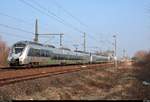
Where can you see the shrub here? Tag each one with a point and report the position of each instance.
(139, 57)
(143, 61)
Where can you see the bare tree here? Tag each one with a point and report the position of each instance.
(140, 56)
(143, 62)
(3, 52)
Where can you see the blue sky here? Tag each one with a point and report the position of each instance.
(129, 19)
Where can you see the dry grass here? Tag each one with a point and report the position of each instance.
(96, 84)
(100, 83)
(142, 74)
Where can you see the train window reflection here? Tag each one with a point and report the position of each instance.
(18, 50)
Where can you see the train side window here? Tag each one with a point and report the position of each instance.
(50, 53)
(44, 54)
(38, 52)
(30, 52)
(41, 53)
(47, 53)
(34, 52)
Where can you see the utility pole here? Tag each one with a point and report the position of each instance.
(115, 45)
(36, 38)
(115, 50)
(76, 49)
(124, 53)
(61, 35)
(84, 44)
(125, 57)
(36, 32)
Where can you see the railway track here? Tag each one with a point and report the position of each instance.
(39, 66)
(12, 76)
(2, 69)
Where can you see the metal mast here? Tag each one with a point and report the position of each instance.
(115, 50)
(36, 38)
(84, 44)
(36, 31)
(61, 36)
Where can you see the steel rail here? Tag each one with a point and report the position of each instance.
(9, 80)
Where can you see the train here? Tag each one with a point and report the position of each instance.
(31, 53)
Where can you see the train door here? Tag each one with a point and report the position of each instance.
(91, 58)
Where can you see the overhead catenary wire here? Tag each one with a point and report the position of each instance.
(14, 28)
(50, 15)
(15, 18)
(19, 20)
(47, 14)
(53, 14)
(14, 35)
(67, 12)
(75, 18)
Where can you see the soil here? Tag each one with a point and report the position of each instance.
(94, 84)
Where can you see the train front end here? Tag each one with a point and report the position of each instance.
(16, 57)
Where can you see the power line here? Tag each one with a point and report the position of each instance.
(14, 28)
(49, 15)
(14, 35)
(84, 44)
(60, 20)
(67, 12)
(37, 9)
(40, 6)
(54, 16)
(18, 19)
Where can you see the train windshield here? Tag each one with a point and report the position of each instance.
(18, 48)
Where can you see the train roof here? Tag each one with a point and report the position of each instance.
(81, 52)
(52, 46)
(34, 43)
(63, 48)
